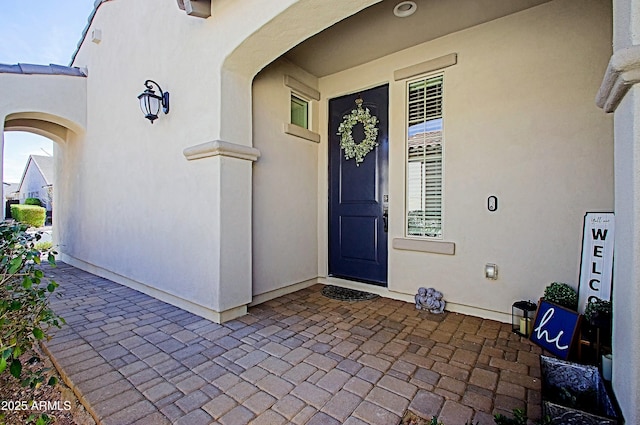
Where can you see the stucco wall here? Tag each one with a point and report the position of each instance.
(177, 229)
(285, 186)
(140, 210)
(21, 97)
(519, 109)
(626, 292)
(520, 124)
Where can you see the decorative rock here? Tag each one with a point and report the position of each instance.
(430, 300)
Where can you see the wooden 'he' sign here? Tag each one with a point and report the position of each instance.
(555, 328)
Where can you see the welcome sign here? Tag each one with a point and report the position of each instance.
(596, 264)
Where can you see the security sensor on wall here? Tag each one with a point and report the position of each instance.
(96, 36)
(492, 203)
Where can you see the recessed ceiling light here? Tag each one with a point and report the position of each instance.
(405, 8)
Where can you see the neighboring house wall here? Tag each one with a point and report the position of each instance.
(34, 185)
(9, 193)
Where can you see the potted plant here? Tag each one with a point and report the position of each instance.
(573, 393)
(598, 313)
(562, 294)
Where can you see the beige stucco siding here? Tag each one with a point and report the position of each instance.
(154, 209)
(626, 294)
(520, 124)
(48, 105)
(175, 228)
(285, 186)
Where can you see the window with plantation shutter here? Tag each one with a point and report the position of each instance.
(424, 157)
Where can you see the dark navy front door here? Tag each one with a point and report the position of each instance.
(358, 194)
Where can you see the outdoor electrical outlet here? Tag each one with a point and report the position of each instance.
(491, 271)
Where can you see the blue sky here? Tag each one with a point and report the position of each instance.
(39, 32)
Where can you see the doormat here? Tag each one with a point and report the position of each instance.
(410, 418)
(344, 294)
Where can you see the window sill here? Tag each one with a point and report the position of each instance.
(303, 133)
(430, 246)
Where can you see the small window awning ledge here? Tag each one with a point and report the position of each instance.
(221, 148)
(197, 8)
(623, 72)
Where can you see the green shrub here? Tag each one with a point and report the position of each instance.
(33, 201)
(25, 315)
(562, 294)
(598, 311)
(29, 214)
(519, 418)
(44, 246)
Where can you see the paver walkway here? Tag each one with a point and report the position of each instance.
(301, 359)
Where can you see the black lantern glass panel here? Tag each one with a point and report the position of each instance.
(522, 313)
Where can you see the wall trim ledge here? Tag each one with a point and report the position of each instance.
(431, 246)
(622, 72)
(221, 148)
(301, 132)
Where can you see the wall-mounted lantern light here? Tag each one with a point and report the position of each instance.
(150, 102)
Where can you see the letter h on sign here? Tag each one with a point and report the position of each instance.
(555, 328)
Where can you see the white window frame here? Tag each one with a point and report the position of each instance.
(308, 94)
(307, 106)
(439, 236)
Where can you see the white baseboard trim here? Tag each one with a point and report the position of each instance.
(410, 298)
(190, 306)
(261, 298)
(234, 313)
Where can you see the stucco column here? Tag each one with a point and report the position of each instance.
(232, 168)
(626, 291)
(621, 92)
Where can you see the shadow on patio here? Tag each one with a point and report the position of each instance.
(301, 358)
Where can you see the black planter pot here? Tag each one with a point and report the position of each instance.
(575, 394)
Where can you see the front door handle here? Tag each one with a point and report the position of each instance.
(385, 219)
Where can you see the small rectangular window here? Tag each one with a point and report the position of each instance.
(299, 112)
(424, 157)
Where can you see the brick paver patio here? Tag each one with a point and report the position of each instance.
(301, 359)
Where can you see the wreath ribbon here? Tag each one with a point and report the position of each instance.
(369, 122)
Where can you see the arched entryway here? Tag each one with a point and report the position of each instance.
(49, 101)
